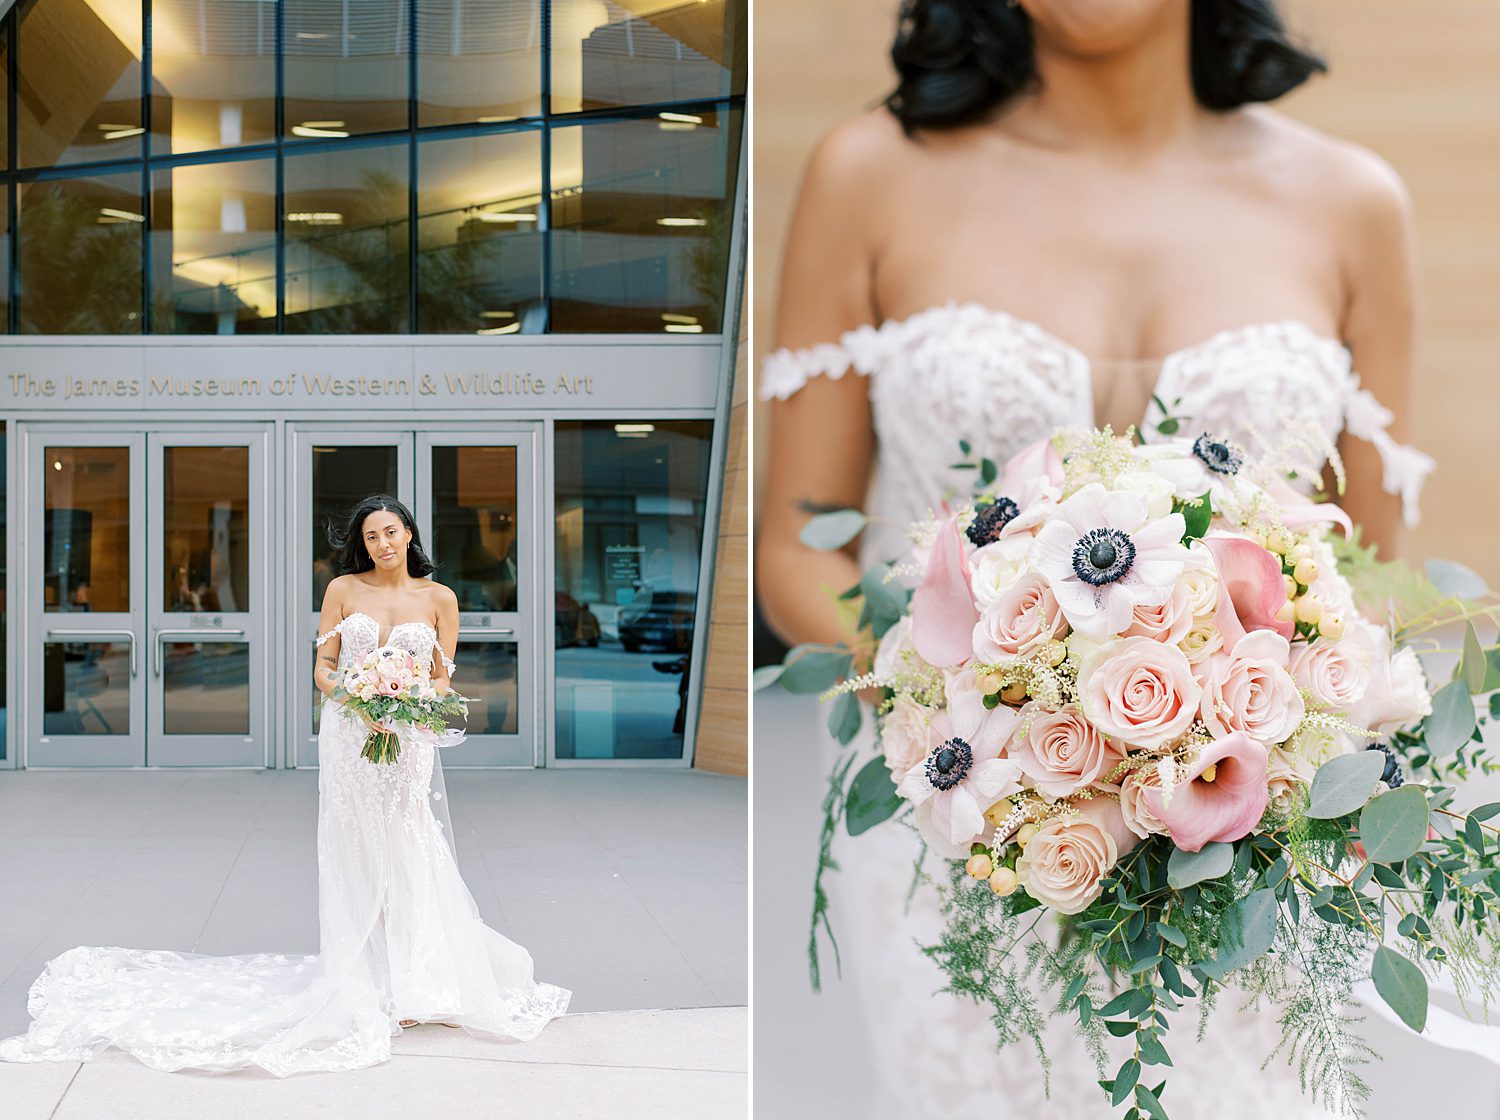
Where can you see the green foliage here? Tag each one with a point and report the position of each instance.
(1344, 783)
(828, 532)
(1394, 825)
(833, 810)
(844, 718)
(1452, 721)
(872, 797)
(1196, 515)
(1402, 985)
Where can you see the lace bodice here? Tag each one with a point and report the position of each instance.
(360, 634)
(965, 371)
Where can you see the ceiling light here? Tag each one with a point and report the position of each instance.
(669, 317)
(681, 120)
(497, 314)
(310, 130)
(683, 328)
(324, 124)
(634, 429)
(108, 215)
(682, 221)
(312, 35)
(122, 133)
(57, 464)
(509, 328)
(501, 216)
(317, 217)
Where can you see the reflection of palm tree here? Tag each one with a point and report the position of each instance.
(78, 276)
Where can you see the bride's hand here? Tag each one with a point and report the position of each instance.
(377, 725)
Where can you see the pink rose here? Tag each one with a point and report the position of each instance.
(1137, 814)
(1164, 622)
(942, 607)
(1251, 589)
(1065, 863)
(1219, 798)
(1336, 673)
(1061, 752)
(905, 735)
(1018, 622)
(1138, 691)
(1250, 690)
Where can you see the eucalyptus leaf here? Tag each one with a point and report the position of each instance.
(766, 676)
(1402, 985)
(1452, 720)
(872, 797)
(1394, 825)
(1343, 784)
(1247, 932)
(1474, 667)
(1125, 1081)
(816, 671)
(844, 718)
(1454, 579)
(1185, 868)
(829, 531)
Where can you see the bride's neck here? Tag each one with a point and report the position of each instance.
(1129, 104)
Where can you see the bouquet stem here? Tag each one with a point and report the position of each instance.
(381, 746)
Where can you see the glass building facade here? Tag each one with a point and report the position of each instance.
(264, 258)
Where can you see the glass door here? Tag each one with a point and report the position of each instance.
(477, 508)
(332, 471)
(85, 673)
(209, 556)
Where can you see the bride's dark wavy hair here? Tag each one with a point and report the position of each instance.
(348, 539)
(957, 59)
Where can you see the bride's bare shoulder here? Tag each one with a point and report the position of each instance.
(1330, 172)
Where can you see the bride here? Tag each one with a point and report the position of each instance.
(1069, 212)
(401, 939)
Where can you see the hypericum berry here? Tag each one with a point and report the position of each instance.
(1103, 556)
(991, 519)
(1217, 455)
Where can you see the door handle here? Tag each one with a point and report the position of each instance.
(201, 633)
(129, 634)
(481, 631)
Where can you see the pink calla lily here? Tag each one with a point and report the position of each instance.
(1039, 459)
(1251, 589)
(943, 613)
(1224, 805)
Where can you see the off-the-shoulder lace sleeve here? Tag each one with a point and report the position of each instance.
(447, 662)
(787, 370)
(1405, 467)
(324, 637)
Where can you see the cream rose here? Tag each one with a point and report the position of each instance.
(905, 736)
(1063, 865)
(1165, 622)
(1250, 690)
(1201, 585)
(1336, 673)
(1287, 775)
(1133, 806)
(995, 568)
(1397, 695)
(1061, 752)
(1017, 623)
(1202, 642)
(1139, 691)
(1153, 487)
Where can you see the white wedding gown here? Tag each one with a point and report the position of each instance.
(970, 372)
(400, 938)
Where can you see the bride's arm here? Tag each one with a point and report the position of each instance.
(1380, 329)
(326, 656)
(447, 632)
(822, 442)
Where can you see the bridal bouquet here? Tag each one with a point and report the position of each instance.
(389, 685)
(1140, 687)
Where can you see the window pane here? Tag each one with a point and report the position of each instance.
(4, 600)
(491, 682)
(639, 52)
(629, 532)
(480, 269)
(85, 688)
(80, 267)
(346, 66)
(641, 219)
(474, 525)
(213, 71)
(206, 529)
(81, 76)
(4, 123)
(346, 251)
(86, 546)
(341, 478)
(478, 60)
(206, 688)
(213, 234)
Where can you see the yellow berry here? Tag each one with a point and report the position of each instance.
(1288, 612)
(998, 811)
(1291, 586)
(1014, 692)
(1004, 882)
(1279, 541)
(1309, 608)
(1027, 831)
(979, 866)
(1331, 626)
(990, 682)
(1054, 652)
(1306, 571)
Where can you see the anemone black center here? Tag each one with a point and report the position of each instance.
(1216, 455)
(991, 519)
(1102, 556)
(948, 763)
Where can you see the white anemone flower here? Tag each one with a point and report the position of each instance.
(1204, 465)
(953, 786)
(1103, 555)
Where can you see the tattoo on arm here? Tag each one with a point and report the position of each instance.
(330, 660)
